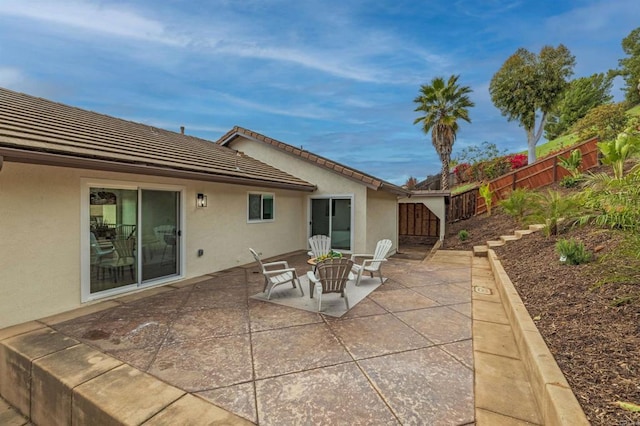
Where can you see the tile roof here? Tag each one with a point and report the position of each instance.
(37, 130)
(348, 172)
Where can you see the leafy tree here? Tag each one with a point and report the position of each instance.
(443, 104)
(604, 121)
(473, 154)
(528, 84)
(582, 95)
(411, 182)
(630, 66)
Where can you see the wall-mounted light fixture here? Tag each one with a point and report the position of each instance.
(201, 200)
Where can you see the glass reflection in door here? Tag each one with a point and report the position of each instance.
(341, 223)
(160, 234)
(113, 236)
(332, 217)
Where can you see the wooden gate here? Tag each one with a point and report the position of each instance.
(418, 224)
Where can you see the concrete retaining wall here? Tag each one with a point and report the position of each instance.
(554, 396)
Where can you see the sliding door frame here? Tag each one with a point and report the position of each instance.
(330, 197)
(85, 249)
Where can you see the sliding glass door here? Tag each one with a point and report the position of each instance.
(134, 237)
(332, 216)
(159, 234)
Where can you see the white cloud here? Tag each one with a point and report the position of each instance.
(11, 78)
(582, 22)
(311, 112)
(251, 37)
(99, 18)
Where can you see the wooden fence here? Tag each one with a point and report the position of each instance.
(541, 173)
(418, 224)
(462, 205)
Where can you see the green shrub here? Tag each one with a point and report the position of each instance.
(484, 162)
(572, 252)
(463, 235)
(550, 208)
(572, 163)
(613, 203)
(570, 181)
(604, 121)
(517, 204)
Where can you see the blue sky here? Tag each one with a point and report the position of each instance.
(337, 77)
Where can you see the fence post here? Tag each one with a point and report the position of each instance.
(513, 183)
(555, 168)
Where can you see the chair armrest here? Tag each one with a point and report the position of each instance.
(369, 261)
(353, 256)
(312, 277)
(281, 271)
(279, 263)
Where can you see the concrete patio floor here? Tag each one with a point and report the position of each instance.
(403, 355)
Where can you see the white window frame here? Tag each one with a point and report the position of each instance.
(262, 195)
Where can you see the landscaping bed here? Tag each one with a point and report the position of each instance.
(591, 329)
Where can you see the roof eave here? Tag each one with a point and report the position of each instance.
(375, 185)
(395, 190)
(429, 193)
(60, 160)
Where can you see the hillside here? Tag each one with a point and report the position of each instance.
(592, 331)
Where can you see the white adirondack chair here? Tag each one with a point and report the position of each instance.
(320, 245)
(275, 277)
(371, 263)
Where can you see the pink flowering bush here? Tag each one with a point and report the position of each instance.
(518, 160)
(463, 172)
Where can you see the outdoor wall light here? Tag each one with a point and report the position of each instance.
(201, 200)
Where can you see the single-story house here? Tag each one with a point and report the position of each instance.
(92, 206)
(354, 208)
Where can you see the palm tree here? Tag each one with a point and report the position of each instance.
(443, 105)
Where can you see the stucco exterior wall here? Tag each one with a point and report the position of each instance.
(382, 214)
(40, 223)
(328, 183)
(40, 250)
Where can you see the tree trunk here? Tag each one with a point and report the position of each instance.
(532, 139)
(531, 146)
(444, 178)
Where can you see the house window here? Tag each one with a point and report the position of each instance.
(261, 207)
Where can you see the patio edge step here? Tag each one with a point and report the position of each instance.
(554, 397)
(480, 251)
(37, 381)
